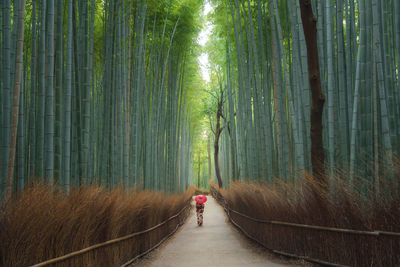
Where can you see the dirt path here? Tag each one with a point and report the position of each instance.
(216, 243)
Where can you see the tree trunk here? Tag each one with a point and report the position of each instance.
(198, 174)
(49, 97)
(67, 103)
(58, 90)
(6, 90)
(17, 86)
(209, 157)
(318, 98)
(218, 131)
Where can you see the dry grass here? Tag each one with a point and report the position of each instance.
(201, 192)
(43, 224)
(306, 203)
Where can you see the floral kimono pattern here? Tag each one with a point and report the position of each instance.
(199, 211)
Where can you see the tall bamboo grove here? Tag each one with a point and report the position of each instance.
(268, 97)
(102, 93)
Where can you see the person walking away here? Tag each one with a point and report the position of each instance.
(199, 211)
(200, 200)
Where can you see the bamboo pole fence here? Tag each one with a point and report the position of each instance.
(124, 238)
(375, 234)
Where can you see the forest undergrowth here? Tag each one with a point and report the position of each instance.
(357, 207)
(43, 223)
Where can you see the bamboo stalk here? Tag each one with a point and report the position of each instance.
(16, 100)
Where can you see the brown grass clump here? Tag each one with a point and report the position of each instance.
(347, 207)
(43, 224)
(201, 192)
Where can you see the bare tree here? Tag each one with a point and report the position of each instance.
(318, 98)
(217, 133)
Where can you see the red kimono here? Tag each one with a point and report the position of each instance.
(199, 211)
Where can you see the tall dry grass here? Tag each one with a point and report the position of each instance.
(356, 207)
(43, 224)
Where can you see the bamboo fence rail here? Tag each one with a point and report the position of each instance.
(120, 239)
(229, 211)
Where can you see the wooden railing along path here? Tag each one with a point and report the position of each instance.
(316, 250)
(174, 221)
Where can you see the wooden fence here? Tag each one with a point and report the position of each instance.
(125, 250)
(323, 245)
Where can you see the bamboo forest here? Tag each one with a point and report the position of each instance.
(119, 118)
